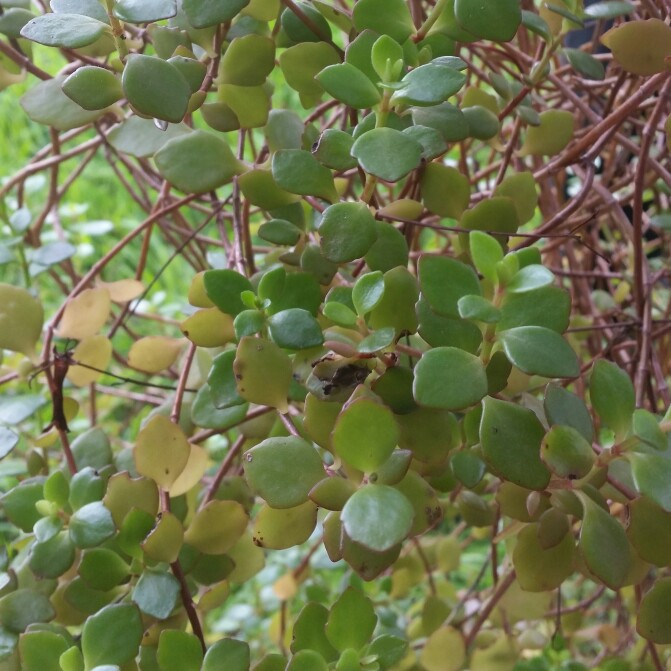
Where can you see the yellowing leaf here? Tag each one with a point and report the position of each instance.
(85, 314)
(217, 527)
(285, 587)
(444, 650)
(123, 291)
(21, 318)
(192, 473)
(95, 351)
(551, 136)
(161, 451)
(640, 47)
(154, 353)
(209, 328)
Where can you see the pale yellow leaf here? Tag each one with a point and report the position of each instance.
(95, 351)
(154, 353)
(192, 473)
(123, 291)
(85, 314)
(161, 451)
(21, 317)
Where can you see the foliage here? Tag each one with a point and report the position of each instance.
(386, 286)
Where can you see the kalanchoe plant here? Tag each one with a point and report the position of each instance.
(418, 254)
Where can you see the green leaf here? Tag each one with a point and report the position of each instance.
(279, 232)
(112, 635)
(651, 473)
(8, 441)
(347, 231)
(564, 408)
(377, 341)
(549, 307)
(444, 281)
(197, 162)
(566, 453)
(91, 525)
(486, 253)
(298, 31)
(539, 351)
(468, 468)
(428, 85)
(445, 191)
(387, 153)
(530, 278)
(368, 292)
(102, 569)
(445, 118)
(20, 609)
(478, 308)
(299, 172)
(40, 650)
(156, 593)
(91, 8)
(365, 434)
(307, 660)
(646, 428)
(603, 544)
(608, 10)
(155, 88)
(536, 24)
(308, 632)
(144, 11)
(652, 622)
(511, 437)
(141, 138)
(295, 328)
(378, 517)
(222, 381)
(53, 557)
(496, 214)
(46, 103)
(386, 52)
(301, 63)
(12, 21)
(282, 471)
(449, 378)
(179, 651)
(433, 143)
(388, 649)
(204, 13)
(483, 124)
(351, 620)
(224, 287)
(349, 85)
(70, 31)
(93, 88)
(439, 330)
(649, 531)
(389, 250)
(612, 396)
(585, 64)
(496, 21)
(248, 60)
(386, 17)
(333, 149)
